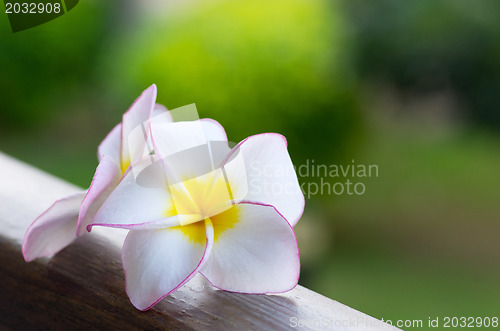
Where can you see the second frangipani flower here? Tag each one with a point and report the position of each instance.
(197, 206)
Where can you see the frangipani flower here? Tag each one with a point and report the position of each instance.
(207, 213)
(66, 219)
(191, 204)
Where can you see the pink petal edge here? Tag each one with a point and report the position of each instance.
(298, 256)
(235, 148)
(215, 122)
(120, 226)
(153, 87)
(100, 153)
(26, 242)
(206, 255)
(93, 196)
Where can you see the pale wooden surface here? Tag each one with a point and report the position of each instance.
(82, 286)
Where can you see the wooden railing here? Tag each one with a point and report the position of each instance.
(82, 287)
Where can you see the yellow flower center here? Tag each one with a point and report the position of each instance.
(206, 198)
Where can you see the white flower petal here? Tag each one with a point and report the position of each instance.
(254, 251)
(158, 262)
(54, 229)
(135, 201)
(110, 146)
(189, 149)
(135, 127)
(214, 130)
(107, 176)
(136, 136)
(161, 109)
(268, 175)
(170, 138)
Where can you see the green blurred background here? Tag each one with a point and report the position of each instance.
(413, 87)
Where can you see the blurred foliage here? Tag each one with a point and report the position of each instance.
(433, 45)
(46, 69)
(423, 240)
(255, 66)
